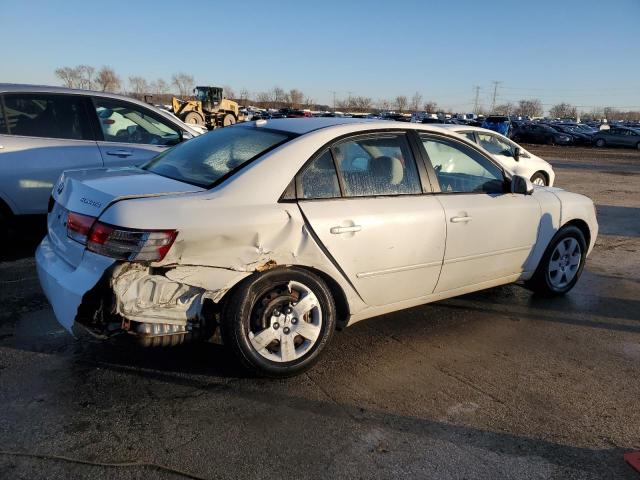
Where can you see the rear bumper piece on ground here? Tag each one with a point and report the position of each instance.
(63, 284)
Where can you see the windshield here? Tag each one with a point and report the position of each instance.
(208, 158)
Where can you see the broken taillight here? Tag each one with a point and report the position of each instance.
(78, 226)
(118, 242)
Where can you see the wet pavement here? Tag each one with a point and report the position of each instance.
(497, 384)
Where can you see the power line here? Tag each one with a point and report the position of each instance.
(476, 104)
(495, 94)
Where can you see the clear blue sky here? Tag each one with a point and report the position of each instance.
(581, 51)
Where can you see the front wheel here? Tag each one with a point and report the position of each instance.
(562, 263)
(600, 142)
(539, 178)
(277, 323)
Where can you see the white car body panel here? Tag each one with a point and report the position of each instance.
(240, 227)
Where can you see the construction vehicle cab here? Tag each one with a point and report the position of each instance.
(208, 108)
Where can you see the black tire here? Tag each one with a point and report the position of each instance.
(550, 141)
(516, 138)
(539, 176)
(638, 145)
(246, 306)
(540, 283)
(194, 118)
(600, 143)
(228, 120)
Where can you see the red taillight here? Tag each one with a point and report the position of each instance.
(109, 121)
(118, 242)
(78, 226)
(128, 244)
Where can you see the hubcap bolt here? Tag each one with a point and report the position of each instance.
(287, 310)
(276, 313)
(286, 330)
(276, 325)
(294, 320)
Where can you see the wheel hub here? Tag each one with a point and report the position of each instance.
(286, 323)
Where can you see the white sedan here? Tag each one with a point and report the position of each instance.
(509, 154)
(279, 231)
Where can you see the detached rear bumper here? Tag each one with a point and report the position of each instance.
(63, 284)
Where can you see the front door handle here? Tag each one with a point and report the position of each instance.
(122, 153)
(351, 229)
(460, 219)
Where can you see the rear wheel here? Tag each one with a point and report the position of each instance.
(194, 118)
(600, 142)
(228, 119)
(539, 178)
(277, 323)
(562, 263)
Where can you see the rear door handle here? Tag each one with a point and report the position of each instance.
(460, 219)
(351, 229)
(120, 153)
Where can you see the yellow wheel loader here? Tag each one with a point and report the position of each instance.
(209, 108)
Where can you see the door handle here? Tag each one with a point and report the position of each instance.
(351, 229)
(460, 219)
(120, 153)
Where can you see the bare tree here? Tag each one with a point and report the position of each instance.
(529, 108)
(309, 102)
(228, 92)
(296, 98)
(361, 104)
(384, 104)
(86, 76)
(244, 96)
(138, 86)
(416, 100)
(401, 103)
(564, 110)
(279, 97)
(504, 109)
(430, 106)
(184, 83)
(70, 76)
(158, 87)
(107, 80)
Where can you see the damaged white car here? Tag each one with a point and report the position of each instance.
(278, 232)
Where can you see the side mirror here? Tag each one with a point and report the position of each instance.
(521, 185)
(516, 153)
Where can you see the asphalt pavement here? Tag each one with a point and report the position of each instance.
(496, 384)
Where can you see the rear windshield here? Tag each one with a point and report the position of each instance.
(208, 158)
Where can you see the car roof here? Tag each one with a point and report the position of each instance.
(302, 126)
(26, 88)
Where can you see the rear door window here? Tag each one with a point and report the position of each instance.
(47, 115)
(376, 165)
(319, 179)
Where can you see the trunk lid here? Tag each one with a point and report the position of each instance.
(90, 192)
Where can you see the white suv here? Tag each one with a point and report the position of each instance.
(46, 130)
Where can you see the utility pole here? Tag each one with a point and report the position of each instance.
(476, 103)
(349, 98)
(495, 95)
(334, 99)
